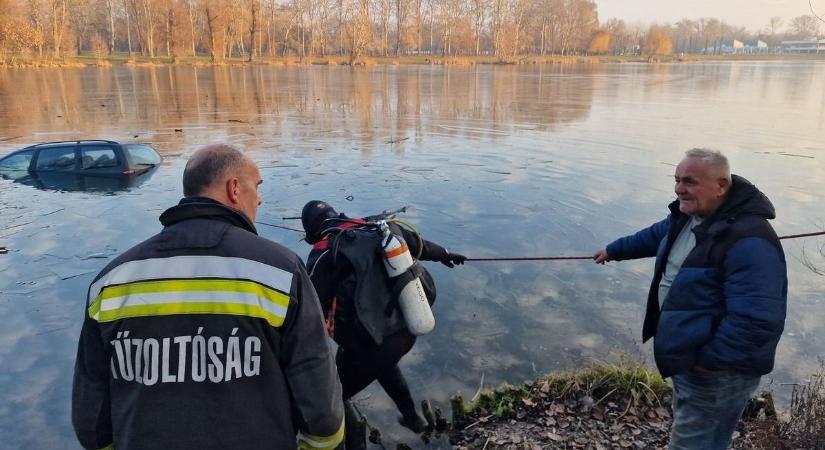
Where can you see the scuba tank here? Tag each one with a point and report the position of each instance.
(413, 301)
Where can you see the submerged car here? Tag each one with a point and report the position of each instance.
(81, 165)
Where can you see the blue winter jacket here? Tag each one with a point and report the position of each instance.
(726, 307)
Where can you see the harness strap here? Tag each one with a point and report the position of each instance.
(399, 283)
(324, 243)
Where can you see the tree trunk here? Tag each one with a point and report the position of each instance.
(58, 19)
(253, 29)
(128, 30)
(211, 24)
(110, 5)
(169, 33)
(192, 26)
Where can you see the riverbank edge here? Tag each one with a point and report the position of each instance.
(140, 61)
(622, 405)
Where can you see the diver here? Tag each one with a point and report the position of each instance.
(375, 296)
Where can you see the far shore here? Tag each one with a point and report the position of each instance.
(85, 60)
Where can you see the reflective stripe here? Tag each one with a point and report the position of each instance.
(149, 288)
(168, 309)
(231, 291)
(148, 298)
(310, 442)
(190, 297)
(186, 267)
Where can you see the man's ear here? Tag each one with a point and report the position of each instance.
(724, 186)
(233, 190)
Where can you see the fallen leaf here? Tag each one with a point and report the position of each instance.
(553, 437)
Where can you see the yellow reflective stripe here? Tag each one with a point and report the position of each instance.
(311, 442)
(194, 267)
(171, 286)
(109, 447)
(168, 309)
(155, 286)
(94, 308)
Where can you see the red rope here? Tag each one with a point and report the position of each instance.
(794, 236)
(567, 258)
(531, 258)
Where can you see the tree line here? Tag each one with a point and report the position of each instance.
(253, 29)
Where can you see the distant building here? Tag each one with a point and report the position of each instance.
(732, 46)
(805, 46)
(754, 46)
(726, 47)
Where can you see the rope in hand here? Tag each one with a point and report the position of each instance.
(568, 258)
(547, 258)
(531, 258)
(279, 226)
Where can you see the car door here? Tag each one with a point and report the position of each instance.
(55, 167)
(100, 160)
(57, 159)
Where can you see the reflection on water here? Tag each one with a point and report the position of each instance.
(494, 161)
(57, 181)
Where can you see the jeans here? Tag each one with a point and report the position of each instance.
(707, 406)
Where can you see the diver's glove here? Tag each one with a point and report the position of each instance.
(451, 259)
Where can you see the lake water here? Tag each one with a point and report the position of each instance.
(491, 160)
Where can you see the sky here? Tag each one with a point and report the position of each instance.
(751, 14)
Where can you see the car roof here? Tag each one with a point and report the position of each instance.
(62, 143)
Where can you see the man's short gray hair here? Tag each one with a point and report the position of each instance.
(208, 165)
(714, 158)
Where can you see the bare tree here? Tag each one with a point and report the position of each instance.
(479, 10)
(773, 24)
(402, 9)
(190, 11)
(254, 13)
(57, 10)
(814, 12)
(383, 10)
(804, 27)
(110, 10)
(358, 13)
(215, 22)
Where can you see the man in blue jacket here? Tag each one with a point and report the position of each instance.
(717, 300)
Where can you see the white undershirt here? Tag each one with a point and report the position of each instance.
(681, 248)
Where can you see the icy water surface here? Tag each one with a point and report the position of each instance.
(493, 161)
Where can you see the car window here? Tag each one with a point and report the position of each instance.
(56, 158)
(97, 157)
(19, 161)
(143, 155)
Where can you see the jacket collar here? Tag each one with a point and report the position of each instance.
(744, 199)
(205, 208)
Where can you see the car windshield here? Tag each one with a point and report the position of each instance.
(143, 155)
(17, 161)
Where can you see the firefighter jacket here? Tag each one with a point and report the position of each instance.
(205, 336)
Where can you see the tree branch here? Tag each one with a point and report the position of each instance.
(811, 6)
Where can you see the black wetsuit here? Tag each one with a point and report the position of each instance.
(371, 352)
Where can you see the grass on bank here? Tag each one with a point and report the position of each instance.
(802, 426)
(625, 382)
(629, 384)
